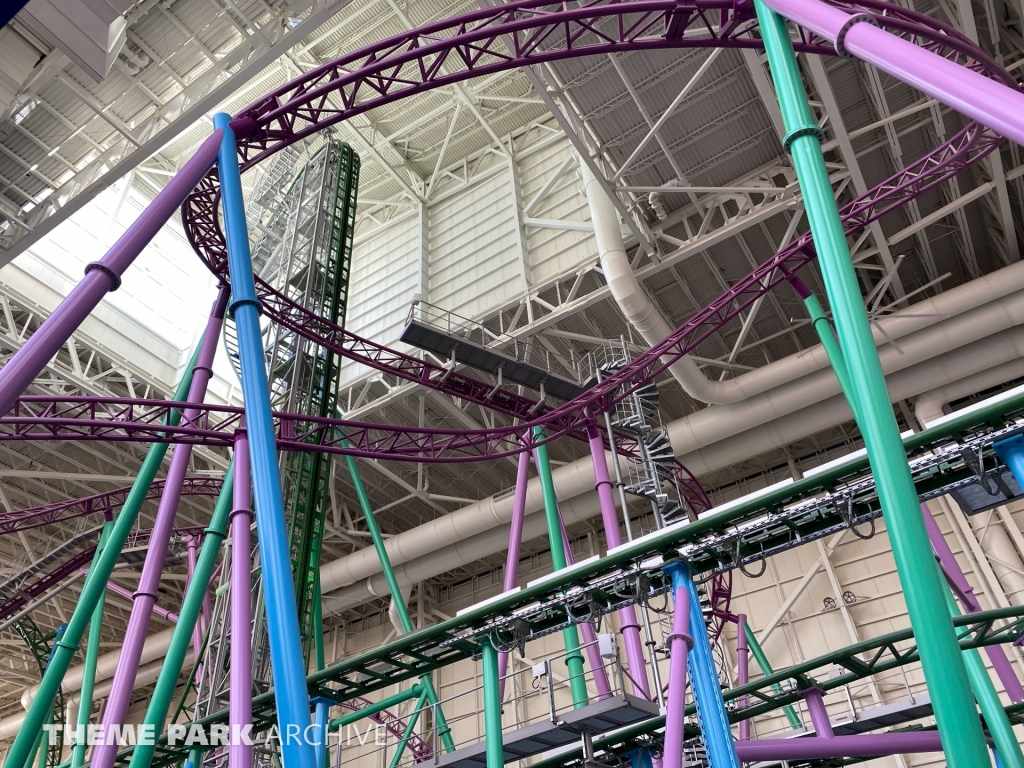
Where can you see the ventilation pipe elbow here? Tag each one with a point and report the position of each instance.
(630, 296)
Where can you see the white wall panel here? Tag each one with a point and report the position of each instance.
(474, 258)
(553, 251)
(381, 286)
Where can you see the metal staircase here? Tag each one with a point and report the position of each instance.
(651, 475)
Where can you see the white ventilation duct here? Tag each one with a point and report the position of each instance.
(148, 673)
(647, 320)
(712, 438)
(929, 405)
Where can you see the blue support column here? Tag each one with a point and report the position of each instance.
(286, 657)
(707, 691)
(1011, 451)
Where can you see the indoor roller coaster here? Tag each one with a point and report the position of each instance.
(690, 560)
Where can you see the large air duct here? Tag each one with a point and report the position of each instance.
(930, 344)
(641, 313)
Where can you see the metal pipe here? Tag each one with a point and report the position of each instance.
(988, 701)
(286, 657)
(943, 666)
(871, 745)
(191, 607)
(988, 101)
(410, 727)
(92, 591)
(628, 624)
(766, 669)
(515, 542)
(679, 642)
(573, 658)
(396, 594)
(372, 709)
(601, 683)
(742, 669)
(819, 715)
(146, 592)
(100, 278)
(92, 653)
(493, 746)
(240, 663)
(958, 582)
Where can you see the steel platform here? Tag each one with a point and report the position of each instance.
(533, 739)
(884, 716)
(469, 353)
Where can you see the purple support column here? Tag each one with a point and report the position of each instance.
(962, 588)
(102, 277)
(117, 589)
(240, 695)
(991, 103)
(604, 689)
(630, 626)
(819, 715)
(679, 644)
(145, 595)
(515, 541)
(742, 669)
(868, 745)
(197, 631)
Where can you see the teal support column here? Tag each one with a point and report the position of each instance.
(766, 669)
(191, 607)
(573, 657)
(988, 700)
(396, 593)
(494, 747)
(92, 653)
(946, 676)
(95, 588)
(322, 706)
(410, 728)
(387, 703)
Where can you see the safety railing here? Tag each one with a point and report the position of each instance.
(534, 694)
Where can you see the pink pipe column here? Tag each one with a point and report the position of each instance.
(197, 631)
(240, 695)
(743, 669)
(991, 103)
(102, 277)
(679, 643)
(819, 715)
(515, 541)
(630, 626)
(117, 589)
(867, 745)
(146, 594)
(965, 592)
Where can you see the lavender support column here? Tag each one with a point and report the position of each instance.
(679, 645)
(991, 103)
(197, 633)
(868, 745)
(101, 277)
(515, 542)
(145, 595)
(628, 623)
(742, 669)
(965, 593)
(819, 715)
(240, 696)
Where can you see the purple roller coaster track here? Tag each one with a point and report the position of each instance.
(483, 42)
